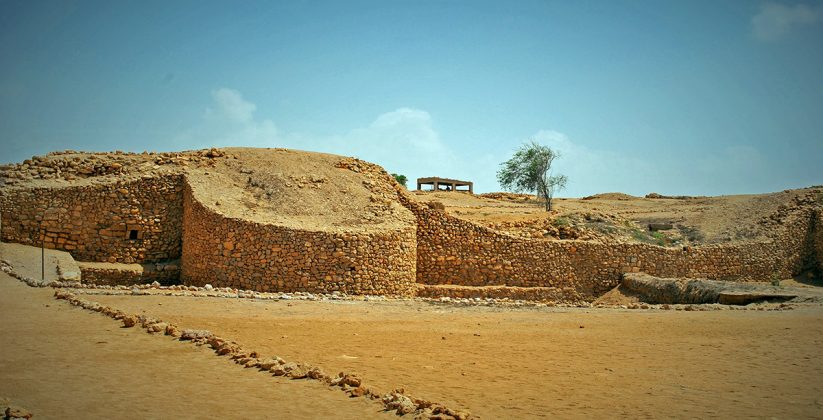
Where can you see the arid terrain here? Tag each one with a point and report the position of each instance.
(306, 226)
(612, 217)
(495, 362)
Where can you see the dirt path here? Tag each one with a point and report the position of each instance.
(59, 361)
(525, 364)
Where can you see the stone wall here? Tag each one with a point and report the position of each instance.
(158, 218)
(230, 252)
(166, 273)
(451, 251)
(535, 294)
(132, 221)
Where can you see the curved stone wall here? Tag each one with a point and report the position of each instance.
(94, 222)
(231, 252)
(158, 218)
(457, 252)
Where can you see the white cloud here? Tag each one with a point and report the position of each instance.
(230, 104)
(406, 141)
(402, 141)
(775, 19)
(229, 121)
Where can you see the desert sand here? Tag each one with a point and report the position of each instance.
(543, 362)
(61, 362)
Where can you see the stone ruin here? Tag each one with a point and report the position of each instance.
(154, 210)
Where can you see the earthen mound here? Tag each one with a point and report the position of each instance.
(299, 189)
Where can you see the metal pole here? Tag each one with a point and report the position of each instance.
(42, 250)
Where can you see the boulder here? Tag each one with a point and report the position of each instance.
(17, 413)
(195, 335)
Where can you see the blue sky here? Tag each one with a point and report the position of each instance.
(691, 97)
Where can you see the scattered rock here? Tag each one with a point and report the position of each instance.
(195, 334)
(129, 321)
(399, 403)
(12, 413)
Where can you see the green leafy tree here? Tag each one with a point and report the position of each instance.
(529, 170)
(401, 179)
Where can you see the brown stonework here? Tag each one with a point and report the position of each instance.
(162, 214)
(92, 222)
(230, 252)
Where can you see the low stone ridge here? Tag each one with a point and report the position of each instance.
(700, 291)
(493, 293)
(16, 413)
(166, 272)
(395, 401)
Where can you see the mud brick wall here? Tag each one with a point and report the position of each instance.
(94, 222)
(229, 252)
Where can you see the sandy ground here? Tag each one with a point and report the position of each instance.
(59, 361)
(537, 363)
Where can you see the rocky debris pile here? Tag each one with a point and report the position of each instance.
(396, 400)
(590, 225)
(610, 196)
(381, 185)
(431, 295)
(512, 197)
(651, 289)
(546, 228)
(786, 212)
(11, 412)
(402, 404)
(434, 295)
(503, 295)
(436, 205)
(70, 165)
(655, 195)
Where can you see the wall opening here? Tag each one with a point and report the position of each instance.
(133, 235)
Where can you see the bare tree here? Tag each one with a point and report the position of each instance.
(529, 170)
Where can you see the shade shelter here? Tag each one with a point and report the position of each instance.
(446, 184)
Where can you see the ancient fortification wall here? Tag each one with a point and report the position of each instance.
(151, 219)
(243, 254)
(453, 251)
(95, 222)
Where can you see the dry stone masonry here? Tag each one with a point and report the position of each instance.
(265, 257)
(148, 210)
(131, 221)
